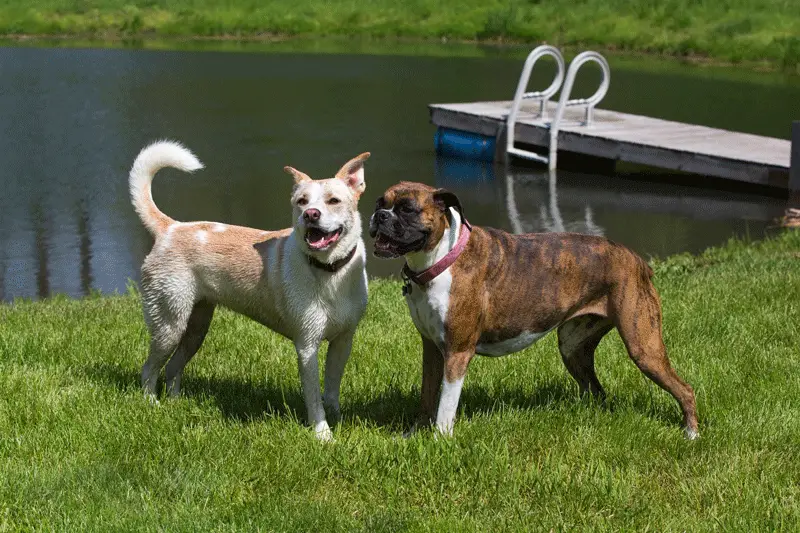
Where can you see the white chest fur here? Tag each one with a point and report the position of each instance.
(325, 304)
(429, 307)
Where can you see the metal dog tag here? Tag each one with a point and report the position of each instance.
(407, 288)
(406, 283)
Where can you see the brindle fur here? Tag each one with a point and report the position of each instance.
(505, 284)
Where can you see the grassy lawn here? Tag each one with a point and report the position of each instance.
(81, 450)
(730, 30)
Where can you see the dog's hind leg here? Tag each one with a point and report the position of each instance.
(638, 320)
(167, 323)
(577, 340)
(162, 344)
(192, 339)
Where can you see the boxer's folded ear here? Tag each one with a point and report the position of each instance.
(444, 199)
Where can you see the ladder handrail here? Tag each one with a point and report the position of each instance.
(543, 96)
(563, 101)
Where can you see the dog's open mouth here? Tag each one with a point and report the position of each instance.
(318, 239)
(384, 247)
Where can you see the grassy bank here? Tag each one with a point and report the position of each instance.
(81, 450)
(728, 30)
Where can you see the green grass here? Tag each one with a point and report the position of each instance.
(81, 450)
(729, 30)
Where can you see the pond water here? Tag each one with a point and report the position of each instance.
(75, 118)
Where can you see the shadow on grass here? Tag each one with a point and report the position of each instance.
(394, 409)
(247, 401)
(237, 399)
(397, 409)
(553, 394)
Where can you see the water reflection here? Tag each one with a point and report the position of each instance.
(651, 217)
(550, 219)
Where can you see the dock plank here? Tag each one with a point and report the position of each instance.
(633, 138)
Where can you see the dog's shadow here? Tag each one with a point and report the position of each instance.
(397, 409)
(393, 408)
(239, 400)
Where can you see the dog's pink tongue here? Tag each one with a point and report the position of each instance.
(324, 240)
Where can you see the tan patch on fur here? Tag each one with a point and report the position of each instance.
(235, 239)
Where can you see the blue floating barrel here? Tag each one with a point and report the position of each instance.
(455, 143)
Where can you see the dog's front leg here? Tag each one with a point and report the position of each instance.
(455, 369)
(338, 354)
(432, 371)
(309, 378)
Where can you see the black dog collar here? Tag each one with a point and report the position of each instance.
(336, 265)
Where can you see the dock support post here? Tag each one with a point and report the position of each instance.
(500, 153)
(791, 218)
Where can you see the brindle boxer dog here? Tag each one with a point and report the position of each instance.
(481, 290)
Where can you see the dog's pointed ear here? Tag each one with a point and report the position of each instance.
(299, 177)
(444, 199)
(352, 173)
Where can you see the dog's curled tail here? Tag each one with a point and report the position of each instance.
(149, 161)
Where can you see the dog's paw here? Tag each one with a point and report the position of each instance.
(152, 399)
(323, 432)
(443, 431)
(691, 434)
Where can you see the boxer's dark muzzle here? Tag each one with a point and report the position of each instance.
(396, 235)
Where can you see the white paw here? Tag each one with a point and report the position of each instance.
(691, 434)
(444, 431)
(323, 432)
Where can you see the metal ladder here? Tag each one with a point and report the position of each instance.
(544, 96)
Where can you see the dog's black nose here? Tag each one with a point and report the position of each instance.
(311, 215)
(382, 215)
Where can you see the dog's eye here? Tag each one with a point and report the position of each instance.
(333, 201)
(408, 208)
(302, 201)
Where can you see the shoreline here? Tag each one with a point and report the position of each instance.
(362, 44)
(366, 43)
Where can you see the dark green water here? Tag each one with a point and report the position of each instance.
(74, 119)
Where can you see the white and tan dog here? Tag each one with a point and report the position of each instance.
(307, 283)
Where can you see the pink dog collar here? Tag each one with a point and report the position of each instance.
(424, 277)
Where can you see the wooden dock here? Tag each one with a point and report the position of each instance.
(631, 138)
